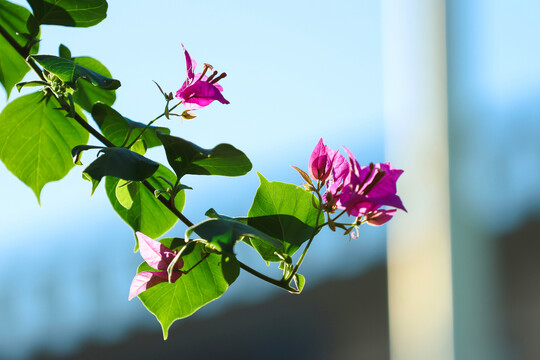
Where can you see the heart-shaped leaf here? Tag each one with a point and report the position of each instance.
(69, 72)
(13, 19)
(36, 140)
(223, 233)
(285, 212)
(78, 13)
(115, 127)
(205, 282)
(147, 214)
(121, 163)
(188, 158)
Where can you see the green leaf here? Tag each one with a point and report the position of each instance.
(36, 140)
(223, 233)
(204, 283)
(188, 158)
(126, 191)
(121, 163)
(87, 94)
(139, 147)
(77, 13)
(69, 72)
(285, 212)
(115, 127)
(13, 19)
(300, 281)
(63, 51)
(147, 214)
(32, 83)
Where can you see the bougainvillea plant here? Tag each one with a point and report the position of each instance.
(178, 275)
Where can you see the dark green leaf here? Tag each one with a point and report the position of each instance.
(223, 233)
(64, 52)
(13, 19)
(121, 163)
(147, 214)
(203, 284)
(78, 13)
(76, 152)
(87, 94)
(115, 127)
(188, 158)
(285, 212)
(69, 72)
(36, 140)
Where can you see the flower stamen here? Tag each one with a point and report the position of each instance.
(223, 75)
(205, 69)
(212, 76)
(380, 174)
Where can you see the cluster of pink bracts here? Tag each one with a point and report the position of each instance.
(361, 191)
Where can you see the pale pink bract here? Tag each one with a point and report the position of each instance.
(157, 256)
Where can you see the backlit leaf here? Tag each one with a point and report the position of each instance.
(13, 18)
(285, 212)
(204, 283)
(147, 214)
(36, 140)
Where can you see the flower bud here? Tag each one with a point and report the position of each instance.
(188, 114)
(320, 163)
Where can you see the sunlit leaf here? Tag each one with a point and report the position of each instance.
(126, 192)
(204, 283)
(147, 214)
(285, 212)
(36, 140)
(13, 19)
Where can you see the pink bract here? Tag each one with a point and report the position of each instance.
(199, 90)
(157, 256)
(359, 190)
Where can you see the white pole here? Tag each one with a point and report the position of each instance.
(419, 251)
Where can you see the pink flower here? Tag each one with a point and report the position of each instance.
(158, 256)
(199, 90)
(359, 190)
(369, 188)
